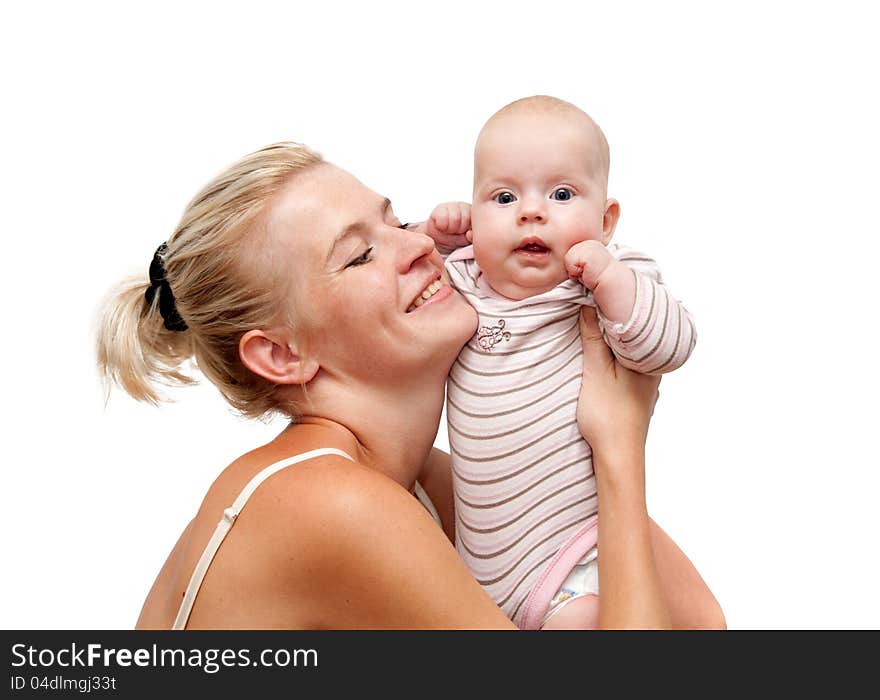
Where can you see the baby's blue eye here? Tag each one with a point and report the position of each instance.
(563, 194)
(505, 198)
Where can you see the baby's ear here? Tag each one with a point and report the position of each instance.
(609, 221)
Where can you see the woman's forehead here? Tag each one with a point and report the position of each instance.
(316, 205)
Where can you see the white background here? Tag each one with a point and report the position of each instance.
(745, 155)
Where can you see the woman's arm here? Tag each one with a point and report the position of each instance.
(631, 591)
(157, 610)
(613, 415)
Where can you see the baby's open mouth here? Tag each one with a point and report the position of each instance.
(534, 246)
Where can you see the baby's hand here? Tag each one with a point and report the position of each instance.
(612, 283)
(450, 225)
(587, 261)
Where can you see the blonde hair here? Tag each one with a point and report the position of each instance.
(211, 267)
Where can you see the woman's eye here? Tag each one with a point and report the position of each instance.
(361, 259)
(563, 194)
(504, 198)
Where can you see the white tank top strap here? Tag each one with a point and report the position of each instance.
(426, 501)
(228, 519)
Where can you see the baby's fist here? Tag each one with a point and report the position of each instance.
(586, 261)
(450, 224)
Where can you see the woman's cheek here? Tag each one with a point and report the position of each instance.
(437, 260)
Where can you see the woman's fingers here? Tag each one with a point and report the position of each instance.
(595, 347)
(615, 403)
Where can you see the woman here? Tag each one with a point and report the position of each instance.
(293, 286)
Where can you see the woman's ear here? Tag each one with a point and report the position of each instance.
(609, 221)
(270, 356)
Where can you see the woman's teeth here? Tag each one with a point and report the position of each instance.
(430, 291)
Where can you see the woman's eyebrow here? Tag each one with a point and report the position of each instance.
(354, 228)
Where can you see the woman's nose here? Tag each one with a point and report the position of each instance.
(414, 247)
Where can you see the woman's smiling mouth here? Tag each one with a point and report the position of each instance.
(426, 294)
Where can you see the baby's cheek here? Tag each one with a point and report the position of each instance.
(581, 233)
(485, 254)
(486, 225)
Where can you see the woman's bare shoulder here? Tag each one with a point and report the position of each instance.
(336, 495)
(317, 504)
(374, 557)
(278, 526)
(349, 547)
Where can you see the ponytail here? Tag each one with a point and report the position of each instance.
(135, 349)
(222, 288)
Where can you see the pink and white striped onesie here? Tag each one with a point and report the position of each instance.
(525, 495)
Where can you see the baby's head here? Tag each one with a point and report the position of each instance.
(540, 186)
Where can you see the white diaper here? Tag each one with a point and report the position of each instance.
(583, 580)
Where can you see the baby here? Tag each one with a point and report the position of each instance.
(541, 224)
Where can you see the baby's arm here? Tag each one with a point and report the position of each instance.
(449, 225)
(613, 284)
(648, 330)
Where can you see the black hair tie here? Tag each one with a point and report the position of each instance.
(167, 307)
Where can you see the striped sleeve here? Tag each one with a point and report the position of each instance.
(660, 334)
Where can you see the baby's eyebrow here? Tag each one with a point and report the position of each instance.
(354, 229)
(492, 184)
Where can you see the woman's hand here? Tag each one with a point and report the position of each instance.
(614, 411)
(616, 403)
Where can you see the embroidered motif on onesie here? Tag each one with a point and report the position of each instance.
(489, 336)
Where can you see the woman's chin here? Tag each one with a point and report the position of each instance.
(436, 345)
(469, 323)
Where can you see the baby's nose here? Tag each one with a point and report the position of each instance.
(532, 211)
(525, 217)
